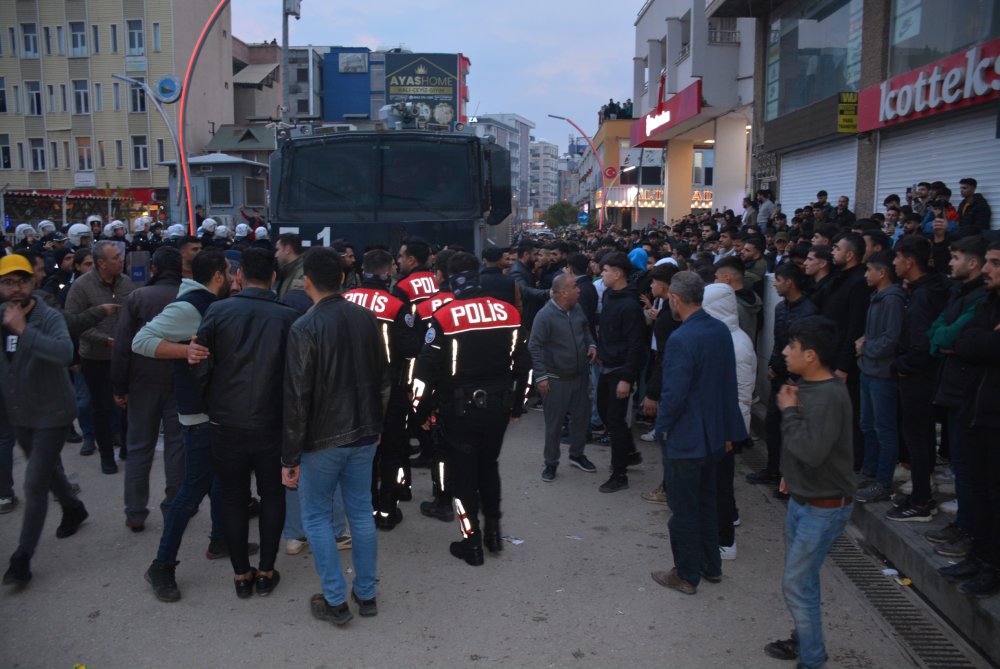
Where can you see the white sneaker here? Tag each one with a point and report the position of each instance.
(296, 546)
(728, 552)
(944, 476)
(901, 473)
(951, 506)
(907, 488)
(648, 436)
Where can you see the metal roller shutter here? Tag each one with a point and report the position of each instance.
(830, 167)
(944, 150)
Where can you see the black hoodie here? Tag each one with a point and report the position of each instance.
(928, 296)
(621, 333)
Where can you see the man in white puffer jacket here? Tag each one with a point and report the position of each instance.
(720, 302)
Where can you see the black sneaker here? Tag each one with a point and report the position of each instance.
(74, 437)
(946, 535)
(72, 518)
(910, 513)
(19, 572)
(986, 584)
(109, 466)
(434, 509)
(367, 608)
(603, 440)
(549, 473)
(265, 585)
(596, 427)
(785, 649)
(88, 447)
(634, 458)
(321, 610)
(581, 462)
(253, 506)
(960, 571)
(388, 520)
(162, 576)
(614, 484)
(763, 476)
(244, 587)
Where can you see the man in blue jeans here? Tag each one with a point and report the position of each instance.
(336, 390)
(817, 461)
(167, 336)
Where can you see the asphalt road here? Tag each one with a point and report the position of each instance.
(576, 593)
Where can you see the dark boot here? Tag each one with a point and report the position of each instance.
(108, 464)
(438, 508)
(160, 575)
(19, 572)
(72, 518)
(470, 549)
(491, 535)
(388, 514)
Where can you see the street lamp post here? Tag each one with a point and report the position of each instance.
(600, 166)
(291, 8)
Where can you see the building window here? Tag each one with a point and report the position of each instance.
(116, 95)
(62, 92)
(119, 154)
(20, 155)
(98, 97)
(84, 155)
(47, 38)
(159, 151)
(33, 98)
(60, 41)
(302, 75)
(3, 95)
(96, 38)
(156, 37)
(137, 98)
(302, 105)
(812, 54)
(100, 153)
(220, 191)
(254, 191)
(54, 150)
(37, 154)
(4, 152)
(66, 160)
(136, 40)
(81, 97)
(77, 39)
(29, 33)
(140, 153)
(923, 32)
(51, 90)
(17, 99)
(12, 38)
(114, 38)
(1, 44)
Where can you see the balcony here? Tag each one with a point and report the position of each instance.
(684, 54)
(731, 37)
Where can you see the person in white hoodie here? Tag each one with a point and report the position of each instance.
(720, 302)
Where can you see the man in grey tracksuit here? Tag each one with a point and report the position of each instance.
(561, 349)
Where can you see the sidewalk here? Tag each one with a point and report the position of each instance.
(904, 546)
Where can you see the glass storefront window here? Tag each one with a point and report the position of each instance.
(924, 31)
(813, 52)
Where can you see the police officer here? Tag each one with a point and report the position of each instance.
(396, 324)
(473, 364)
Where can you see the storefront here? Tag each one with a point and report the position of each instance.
(830, 167)
(934, 123)
(31, 205)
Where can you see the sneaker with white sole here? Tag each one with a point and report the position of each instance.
(907, 488)
(873, 493)
(901, 473)
(728, 552)
(951, 506)
(296, 546)
(344, 542)
(658, 496)
(8, 504)
(648, 436)
(910, 513)
(581, 462)
(943, 476)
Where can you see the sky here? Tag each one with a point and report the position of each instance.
(566, 57)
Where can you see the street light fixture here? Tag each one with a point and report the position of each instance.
(600, 166)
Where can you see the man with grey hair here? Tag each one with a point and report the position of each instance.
(105, 284)
(698, 420)
(562, 349)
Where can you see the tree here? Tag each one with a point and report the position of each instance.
(560, 215)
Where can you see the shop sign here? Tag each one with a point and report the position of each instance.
(702, 199)
(667, 114)
(961, 80)
(847, 112)
(429, 81)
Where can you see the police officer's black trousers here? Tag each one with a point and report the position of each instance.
(474, 442)
(391, 451)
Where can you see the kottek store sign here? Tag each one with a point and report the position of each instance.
(958, 81)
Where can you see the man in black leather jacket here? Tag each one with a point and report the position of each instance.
(336, 390)
(241, 376)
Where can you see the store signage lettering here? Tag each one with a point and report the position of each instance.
(668, 114)
(958, 81)
(655, 121)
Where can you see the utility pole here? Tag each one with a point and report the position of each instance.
(291, 8)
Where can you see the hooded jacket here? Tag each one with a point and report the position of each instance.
(786, 313)
(143, 305)
(979, 345)
(974, 217)
(720, 302)
(749, 305)
(621, 333)
(882, 328)
(846, 305)
(955, 372)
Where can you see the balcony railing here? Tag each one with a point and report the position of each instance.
(685, 52)
(723, 36)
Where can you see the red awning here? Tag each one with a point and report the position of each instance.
(139, 195)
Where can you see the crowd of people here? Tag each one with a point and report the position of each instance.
(887, 326)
